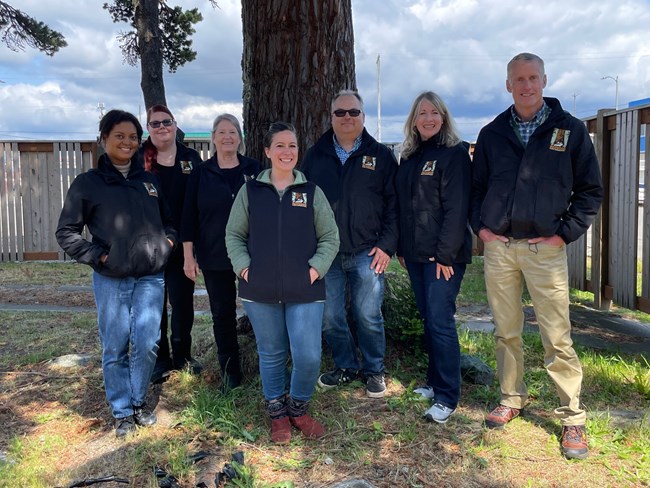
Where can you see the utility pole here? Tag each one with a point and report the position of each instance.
(379, 97)
(615, 81)
(575, 95)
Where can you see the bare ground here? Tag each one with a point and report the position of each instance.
(41, 401)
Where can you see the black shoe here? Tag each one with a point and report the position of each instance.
(336, 378)
(123, 426)
(375, 385)
(143, 416)
(191, 364)
(161, 371)
(230, 381)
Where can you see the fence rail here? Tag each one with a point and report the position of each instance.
(612, 259)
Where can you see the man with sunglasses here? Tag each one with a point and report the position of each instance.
(357, 174)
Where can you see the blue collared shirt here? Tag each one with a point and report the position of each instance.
(342, 153)
(524, 128)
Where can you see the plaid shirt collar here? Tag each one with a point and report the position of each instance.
(524, 128)
(342, 153)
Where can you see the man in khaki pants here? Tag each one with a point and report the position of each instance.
(536, 188)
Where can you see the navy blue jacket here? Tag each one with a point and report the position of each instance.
(550, 186)
(433, 190)
(361, 192)
(127, 218)
(282, 240)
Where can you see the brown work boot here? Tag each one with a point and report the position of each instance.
(500, 416)
(309, 426)
(305, 423)
(280, 424)
(574, 442)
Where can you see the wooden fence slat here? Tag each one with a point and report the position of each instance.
(614, 204)
(5, 232)
(645, 243)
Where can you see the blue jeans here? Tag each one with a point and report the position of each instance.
(366, 296)
(282, 329)
(436, 301)
(128, 315)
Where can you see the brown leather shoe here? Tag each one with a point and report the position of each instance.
(309, 426)
(281, 430)
(500, 416)
(574, 442)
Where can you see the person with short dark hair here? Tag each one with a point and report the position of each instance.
(212, 188)
(434, 183)
(132, 238)
(357, 174)
(281, 238)
(172, 162)
(532, 195)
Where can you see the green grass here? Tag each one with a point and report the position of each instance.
(383, 441)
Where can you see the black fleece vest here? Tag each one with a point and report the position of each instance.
(281, 240)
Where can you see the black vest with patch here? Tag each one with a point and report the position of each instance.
(281, 240)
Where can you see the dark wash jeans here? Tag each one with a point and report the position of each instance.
(436, 301)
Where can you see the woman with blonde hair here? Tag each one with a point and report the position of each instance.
(435, 245)
(211, 192)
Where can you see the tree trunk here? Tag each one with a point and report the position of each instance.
(296, 56)
(147, 22)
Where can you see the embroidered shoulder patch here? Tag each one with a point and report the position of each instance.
(369, 162)
(559, 140)
(151, 189)
(428, 168)
(186, 167)
(298, 199)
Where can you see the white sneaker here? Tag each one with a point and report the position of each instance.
(438, 413)
(425, 392)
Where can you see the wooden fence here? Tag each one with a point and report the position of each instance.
(612, 259)
(620, 255)
(36, 177)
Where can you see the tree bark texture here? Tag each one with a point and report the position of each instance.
(147, 21)
(297, 55)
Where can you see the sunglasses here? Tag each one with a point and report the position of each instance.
(156, 123)
(353, 112)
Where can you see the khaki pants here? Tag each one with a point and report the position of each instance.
(544, 268)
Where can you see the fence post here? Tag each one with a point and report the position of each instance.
(600, 248)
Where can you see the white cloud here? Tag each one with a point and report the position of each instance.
(456, 48)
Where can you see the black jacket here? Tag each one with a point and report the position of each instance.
(126, 217)
(282, 239)
(551, 186)
(433, 190)
(361, 192)
(173, 180)
(207, 207)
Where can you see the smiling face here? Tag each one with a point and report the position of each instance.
(526, 81)
(162, 135)
(428, 120)
(121, 143)
(283, 151)
(226, 137)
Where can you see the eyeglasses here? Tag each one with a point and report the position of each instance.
(154, 124)
(355, 112)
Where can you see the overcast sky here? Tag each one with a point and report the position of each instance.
(457, 48)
